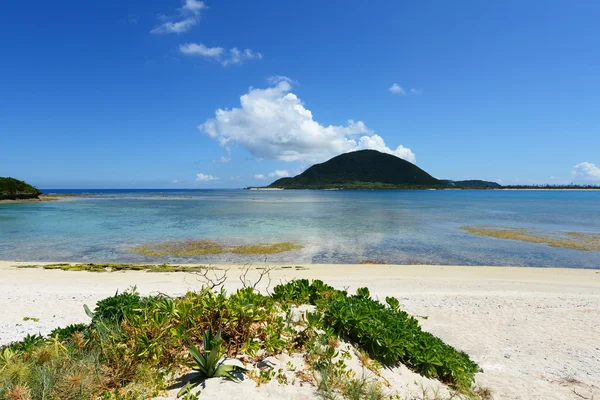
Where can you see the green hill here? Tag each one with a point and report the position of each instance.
(14, 189)
(364, 169)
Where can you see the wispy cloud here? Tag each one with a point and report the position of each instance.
(259, 176)
(188, 16)
(198, 49)
(280, 173)
(223, 56)
(205, 178)
(275, 79)
(222, 160)
(397, 89)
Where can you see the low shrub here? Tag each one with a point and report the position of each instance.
(388, 334)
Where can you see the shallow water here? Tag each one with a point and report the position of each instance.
(402, 227)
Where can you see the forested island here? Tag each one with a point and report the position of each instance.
(14, 189)
(371, 170)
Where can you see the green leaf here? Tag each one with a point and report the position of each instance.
(88, 311)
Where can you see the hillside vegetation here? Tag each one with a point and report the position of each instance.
(14, 189)
(364, 169)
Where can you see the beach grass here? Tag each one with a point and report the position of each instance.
(565, 240)
(191, 248)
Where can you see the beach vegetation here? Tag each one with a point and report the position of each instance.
(388, 334)
(566, 240)
(210, 362)
(135, 347)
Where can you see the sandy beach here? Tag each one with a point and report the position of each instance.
(533, 331)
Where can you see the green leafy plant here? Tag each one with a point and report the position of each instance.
(363, 292)
(210, 363)
(393, 303)
(68, 331)
(114, 308)
(387, 334)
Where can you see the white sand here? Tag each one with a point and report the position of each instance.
(535, 332)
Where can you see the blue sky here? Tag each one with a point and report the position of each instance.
(126, 93)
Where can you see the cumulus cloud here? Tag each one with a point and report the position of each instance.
(189, 14)
(397, 89)
(225, 57)
(259, 176)
(586, 171)
(205, 178)
(273, 123)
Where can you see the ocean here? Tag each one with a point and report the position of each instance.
(399, 227)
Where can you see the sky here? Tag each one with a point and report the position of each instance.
(220, 94)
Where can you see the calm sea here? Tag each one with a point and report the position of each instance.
(403, 227)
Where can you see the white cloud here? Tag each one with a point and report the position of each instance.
(376, 142)
(194, 6)
(222, 160)
(225, 57)
(280, 173)
(275, 79)
(416, 91)
(189, 14)
(396, 89)
(175, 27)
(273, 123)
(586, 171)
(259, 176)
(198, 49)
(237, 57)
(205, 178)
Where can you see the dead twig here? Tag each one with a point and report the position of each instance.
(266, 272)
(211, 281)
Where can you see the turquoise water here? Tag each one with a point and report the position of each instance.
(402, 227)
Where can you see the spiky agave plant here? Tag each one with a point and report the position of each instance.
(209, 363)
